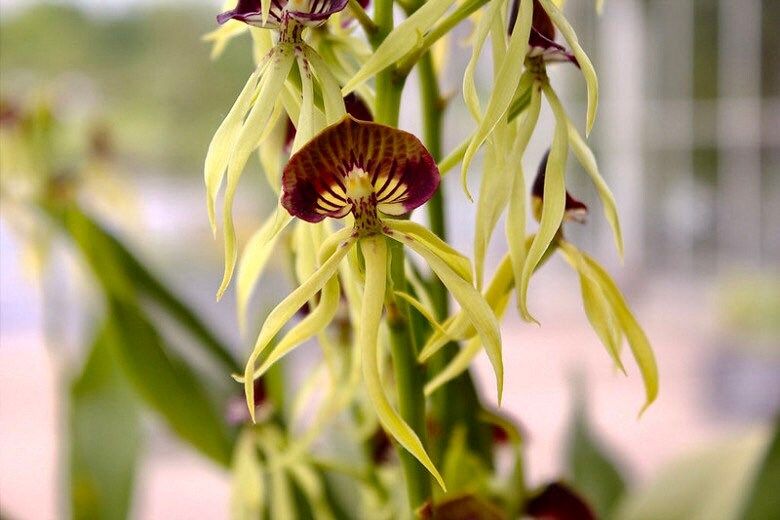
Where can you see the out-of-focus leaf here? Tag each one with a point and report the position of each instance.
(123, 276)
(105, 437)
(763, 500)
(465, 471)
(710, 483)
(401, 40)
(593, 473)
(247, 494)
(165, 383)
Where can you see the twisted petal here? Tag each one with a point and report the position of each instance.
(375, 252)
(401, 172)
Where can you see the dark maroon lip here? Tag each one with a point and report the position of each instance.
(402, 173)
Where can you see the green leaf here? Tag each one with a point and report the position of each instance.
(762, 500)
(637, 340)
(166, 383)
(401, 40)
(473, 306)
(247, 493)
(283, 312)
(105, 437)
(255, 128)
(374, 250)
(591, 80)
(588, 162)
(254, 259)
(123, 276)
(554, 202)
(504, 87)
(592, 471)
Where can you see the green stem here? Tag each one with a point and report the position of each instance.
(409, 375)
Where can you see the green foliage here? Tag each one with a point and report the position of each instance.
(593, 472)
(105, 436)
(147, 67)
(763, 501)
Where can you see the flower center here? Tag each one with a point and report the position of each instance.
(360, 192)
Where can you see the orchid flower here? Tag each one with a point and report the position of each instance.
(253, 118)
(369, 173)
(604, 305)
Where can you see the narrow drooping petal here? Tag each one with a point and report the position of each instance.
(574, 210)
(542, 39)
(360, 167)
(312, 12)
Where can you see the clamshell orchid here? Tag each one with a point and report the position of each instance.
(311, 99)
(367, 173)
(604, 305)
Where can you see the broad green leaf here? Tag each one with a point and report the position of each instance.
(588, 72)
(309, 483)
(422, 309)
(592, 470)
(473, 306)
(588, 162)
(706, 483)
(504, 87)
(254, 129)
(331, 93)
(374, 250)
(283, 312)
(314, 323)
(637, 340)
(554, 202)
(762, 499)
(247, 493)
(456, 261)
(123, 277)
(466, 472)
(516, 217)
(470, 95)
(221, 146)
(401, 40)
(166, 383)
(255, 257)
(104, 437)
(597, 307)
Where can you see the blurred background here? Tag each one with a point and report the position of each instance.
(688, 137)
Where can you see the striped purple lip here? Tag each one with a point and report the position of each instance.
(359, 167)
(250, 12)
